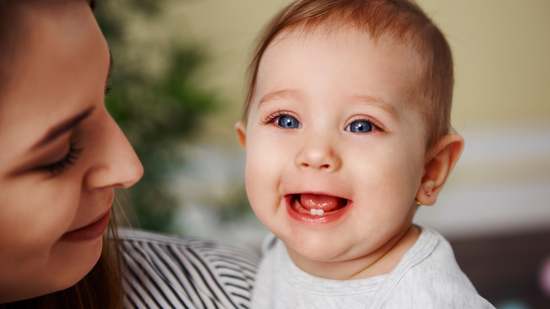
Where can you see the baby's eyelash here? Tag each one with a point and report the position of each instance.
(64, 164)
(379, 128)
(373, 123)
(272, 117)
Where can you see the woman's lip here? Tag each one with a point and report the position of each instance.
(308, 218)
(89, 232)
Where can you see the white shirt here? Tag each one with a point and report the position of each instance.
(426, 277)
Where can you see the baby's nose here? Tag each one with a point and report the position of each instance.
(318, 156)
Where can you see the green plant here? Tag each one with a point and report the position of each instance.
(157, 110)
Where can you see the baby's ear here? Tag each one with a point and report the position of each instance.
(439, 163)
(241, 133)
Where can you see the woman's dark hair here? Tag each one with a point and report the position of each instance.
(101, 288)
(10, 41)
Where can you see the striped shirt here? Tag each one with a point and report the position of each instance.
(172, 272)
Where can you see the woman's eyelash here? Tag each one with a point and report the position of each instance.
(108, 89)
(64, 164)
(272, 117)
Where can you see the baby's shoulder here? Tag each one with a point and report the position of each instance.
(429, 277)
(436, 283)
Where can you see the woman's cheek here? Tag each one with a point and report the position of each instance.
(56, 204)
(35, 213)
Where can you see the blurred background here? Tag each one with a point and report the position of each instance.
(179, 84)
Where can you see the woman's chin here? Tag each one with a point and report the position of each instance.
(71, 261)
(66, 264)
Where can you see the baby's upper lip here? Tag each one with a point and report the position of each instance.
(322, 186)
(318, 193)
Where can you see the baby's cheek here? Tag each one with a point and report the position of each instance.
(263, 174)
(258, 177)
(260, 195)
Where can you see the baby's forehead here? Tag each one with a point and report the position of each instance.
(426, 60)
(412, 59)
(343, 65)
(331, 28)
(344, 49)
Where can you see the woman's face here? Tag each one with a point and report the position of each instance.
(61, 154)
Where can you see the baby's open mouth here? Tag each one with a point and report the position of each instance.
(317, 204)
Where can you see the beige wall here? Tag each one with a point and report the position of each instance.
(502, 51)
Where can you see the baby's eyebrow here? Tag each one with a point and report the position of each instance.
(281, 94)
(298, 95)
(379, 102)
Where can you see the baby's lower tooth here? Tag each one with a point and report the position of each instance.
(318, 212)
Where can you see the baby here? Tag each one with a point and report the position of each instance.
(347, 132)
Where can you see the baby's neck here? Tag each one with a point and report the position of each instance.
(378, 262)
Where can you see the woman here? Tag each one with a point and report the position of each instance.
(61, 157)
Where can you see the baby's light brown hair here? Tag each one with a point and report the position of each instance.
(400, 21)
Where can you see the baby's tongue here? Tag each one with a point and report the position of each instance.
(324, 202)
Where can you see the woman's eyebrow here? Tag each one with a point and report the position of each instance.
(63, 127)
(110, 65)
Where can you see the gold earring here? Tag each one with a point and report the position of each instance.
(418, 203)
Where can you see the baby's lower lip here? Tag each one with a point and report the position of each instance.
(299, 213)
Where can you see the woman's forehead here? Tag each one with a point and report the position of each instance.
(62, 70)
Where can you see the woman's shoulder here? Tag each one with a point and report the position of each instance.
(165, 271)
(213, 246)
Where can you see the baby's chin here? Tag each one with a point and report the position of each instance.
(318, 250)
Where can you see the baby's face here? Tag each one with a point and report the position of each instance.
(335, 149)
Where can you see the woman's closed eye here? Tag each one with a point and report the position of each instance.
(60, 166)
(108, 89)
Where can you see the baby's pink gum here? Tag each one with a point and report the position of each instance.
(324, 202)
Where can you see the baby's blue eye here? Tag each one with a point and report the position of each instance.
(287, 122)
(360, 126)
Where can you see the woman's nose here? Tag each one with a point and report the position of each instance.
(319, 154)
(117, 165)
